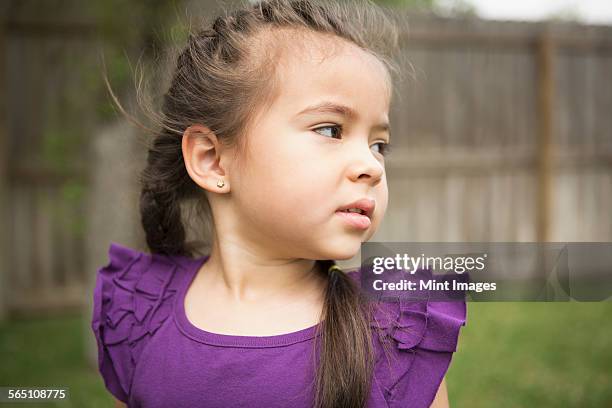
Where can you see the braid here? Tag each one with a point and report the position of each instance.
(160, 217)
(164, 183)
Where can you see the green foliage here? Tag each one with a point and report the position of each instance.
(122, 31)
(128, 31)
(72, 194)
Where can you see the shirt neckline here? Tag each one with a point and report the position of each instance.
(228, 340)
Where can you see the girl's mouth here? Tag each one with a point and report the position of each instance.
(355, 219)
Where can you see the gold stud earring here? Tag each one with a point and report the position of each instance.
(220, 183)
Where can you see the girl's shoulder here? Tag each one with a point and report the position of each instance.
(415, 341)
(133, 296)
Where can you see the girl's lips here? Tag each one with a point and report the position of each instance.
(355, 219)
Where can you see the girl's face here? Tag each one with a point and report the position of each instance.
(304, 163)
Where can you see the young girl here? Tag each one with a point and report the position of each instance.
(276, 122)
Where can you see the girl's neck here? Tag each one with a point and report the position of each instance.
(245, 276)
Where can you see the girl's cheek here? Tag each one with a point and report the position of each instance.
(383, 200)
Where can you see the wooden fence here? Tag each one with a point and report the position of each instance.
(46, 68)
(501, 133)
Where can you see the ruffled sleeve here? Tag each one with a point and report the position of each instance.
(132, 299)
(425, 334)
(422, 335)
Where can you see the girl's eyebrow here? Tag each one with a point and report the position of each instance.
(343, 110)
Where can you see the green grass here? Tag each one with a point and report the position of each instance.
(556, 354)
(510, 355)
(51, 352)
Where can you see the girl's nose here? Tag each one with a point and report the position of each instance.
(365, 166)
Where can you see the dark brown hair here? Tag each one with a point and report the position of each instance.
(223, 78)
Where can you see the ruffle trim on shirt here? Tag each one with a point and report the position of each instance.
(425, 334)
(132, 299)
(430, 325)
(415, 329)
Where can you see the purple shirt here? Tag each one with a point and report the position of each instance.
(150, 355)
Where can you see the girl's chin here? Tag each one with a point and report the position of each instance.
(342, 249)
(343, 257)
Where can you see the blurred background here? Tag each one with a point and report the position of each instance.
(502, 132)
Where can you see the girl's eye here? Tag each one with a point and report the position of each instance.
(384, 149)
(338, 127)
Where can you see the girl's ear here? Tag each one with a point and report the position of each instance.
(202, 153)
